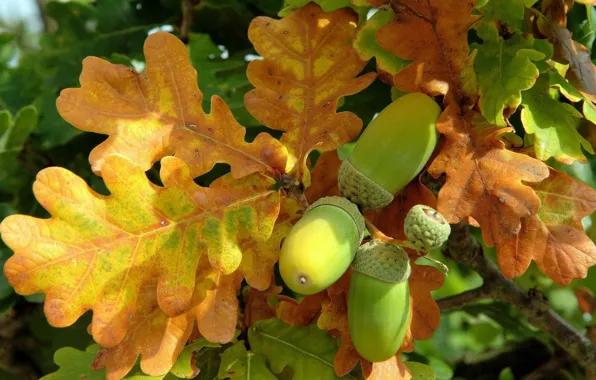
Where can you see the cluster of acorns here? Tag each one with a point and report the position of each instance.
(327, 240)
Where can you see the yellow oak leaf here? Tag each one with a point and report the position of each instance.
(159, 339)
(434, 35)
(324, 177)
(96, 251)
(308, 64)
(392, 368)
(215, 315)
(259, 257)
(159, 112)
(554, 237)
(484, 180)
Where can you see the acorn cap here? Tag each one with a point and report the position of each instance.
(383, 261)
(425, 228)
(345, 205)
(360, 189)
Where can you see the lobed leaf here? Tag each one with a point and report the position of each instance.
(324, 177)
(554, 238)
(162, 349)
(96, 251)
(553, 125)
(307, 350)
(434, 35)
(367, 46)
(159, 113)
(13, 135)
(75, 364)
(503, 68)
(309, 63)
(582, 72)
(238, 363)
(509, 12)
(484, 180)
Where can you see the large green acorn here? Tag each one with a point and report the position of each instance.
(320, 247)
(392, 150)
(379, 300)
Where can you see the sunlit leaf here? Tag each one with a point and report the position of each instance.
(159, 113)
(504, 68)
(434, 35)
(308, 64)
(554, 238)
(96, 251)
(484, 180)
(553, 125)
(367, 46)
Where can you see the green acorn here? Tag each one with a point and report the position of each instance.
(320, 247)
(392, 150)
(379, 300)
(425, 228)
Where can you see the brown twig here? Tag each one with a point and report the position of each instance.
(463, 248)
(187, 19)
(459, 300)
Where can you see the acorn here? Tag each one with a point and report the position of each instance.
(391, 151)
(425, 228)
(379, 300)
(321, 245)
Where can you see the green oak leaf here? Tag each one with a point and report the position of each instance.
(504, 69)
(13, 135)
(509, 11)
(308, 350)
(237, 363)
(187, 366)
(553, 125)
(225, 77)
(367, 47)
(421, 371)
(556, 78)
(589, 110)
(75, 364)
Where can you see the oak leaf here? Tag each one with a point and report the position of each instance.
(504, 68)
(324, 177)
(484, 180)
(367, 46)
(554, 237)
(582, 72)
(96, 251)
(510, 12)
(158, 113)
(553, 125)
(160, 348)
(308, 64)
(434, 35)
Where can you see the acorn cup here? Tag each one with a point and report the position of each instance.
(320, 247)
(425, 228)
(379, 300)
(391, 151)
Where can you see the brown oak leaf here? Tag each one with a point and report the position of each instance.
(484, 181)
(554, 237)
(434, 35)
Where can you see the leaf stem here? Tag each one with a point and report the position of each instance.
(463, 248)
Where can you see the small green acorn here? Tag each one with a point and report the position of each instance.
(320, 247)
(425, 228)
(392, 150)
(379, 300)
